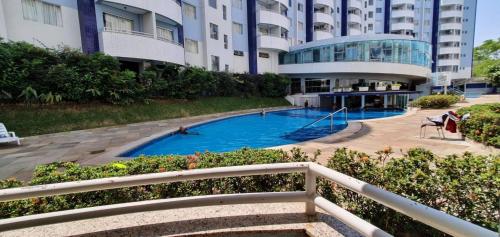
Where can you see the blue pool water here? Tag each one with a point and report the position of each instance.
(255, 131)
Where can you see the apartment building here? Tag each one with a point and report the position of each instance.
(238, 35)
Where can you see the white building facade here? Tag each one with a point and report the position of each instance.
(239, 36)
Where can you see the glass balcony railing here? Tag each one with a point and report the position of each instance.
(387, 51)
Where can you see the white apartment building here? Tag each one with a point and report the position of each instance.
(241, 36)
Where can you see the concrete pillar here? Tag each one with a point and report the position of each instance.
(343, 102)
(385, 101)
(149, 23)
(363, 101)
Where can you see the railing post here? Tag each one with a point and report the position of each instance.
(310, 192)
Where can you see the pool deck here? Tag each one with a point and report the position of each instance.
(94, 146)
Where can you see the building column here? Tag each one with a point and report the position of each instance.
(252, 37)
(343, 102)
(385, 101)
(303, 85)
(88, 26)
(363, 101)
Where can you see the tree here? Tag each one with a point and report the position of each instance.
(483, 60)
(493, 74)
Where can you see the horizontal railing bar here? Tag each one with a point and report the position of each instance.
(323, 118)
(147, 179)
(151, 205)
(432, 217)
(361, 226)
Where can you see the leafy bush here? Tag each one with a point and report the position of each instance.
(28, 72)
(436, 101)
(464, 186)
(483, 125)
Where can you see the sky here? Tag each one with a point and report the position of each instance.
(487, 20)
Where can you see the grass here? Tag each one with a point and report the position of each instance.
(38, 120)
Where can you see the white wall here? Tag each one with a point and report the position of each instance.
(196, 59)
(3, 28)
(51, 36)
(267, 64)
(216, 47)
(240, 63)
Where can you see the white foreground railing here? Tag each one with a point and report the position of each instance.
(437, 219)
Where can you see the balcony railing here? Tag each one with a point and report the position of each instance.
(437, 219)
(139, 33)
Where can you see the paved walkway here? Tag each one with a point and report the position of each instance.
(87, 146)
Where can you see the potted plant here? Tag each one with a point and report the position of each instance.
(381, 86)
(395, 87)
(363, 87)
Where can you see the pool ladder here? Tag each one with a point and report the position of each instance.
(330, 115)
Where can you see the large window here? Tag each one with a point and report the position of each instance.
(191, 46)
(212, 3)
(36, 10)
(165, 34)
(237, 28)
(189, 10)
(214, 31)
(117, 23)
(317, 85)
(215, 63)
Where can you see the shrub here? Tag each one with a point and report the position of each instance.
(436, 101)
(464, 186)
(483, 125)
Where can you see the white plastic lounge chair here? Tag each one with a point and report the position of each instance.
(7, 137)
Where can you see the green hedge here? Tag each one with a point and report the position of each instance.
(436, 101)
(464, 186)
(483, 125)
(32, 74)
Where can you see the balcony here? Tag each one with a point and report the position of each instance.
(273, 18)
(402, 26)
(449, 50)
(450, 26)
(354, 18)
(167, 8)
(354, 31)
(450, 38)
(271, 42)
(329, 3)
(140, 45)
(320, 17)
(452, 2)
(310, 199)
(402, 13)
(358, 4)
(450, 13)
(402, 2)
(322, 34)
(448, 62)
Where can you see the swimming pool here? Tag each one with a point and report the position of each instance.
(255, 131)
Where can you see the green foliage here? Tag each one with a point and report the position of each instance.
(493, 74)
(483, 125)
(464, 186)
(77, 77)
(486, 49)
(484, 64)
(436, 101)
(67, 171)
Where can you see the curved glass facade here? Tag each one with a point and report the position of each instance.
(388, 51)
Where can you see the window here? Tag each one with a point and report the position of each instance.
(224, 12)
(215, 63)
(370, 14)
(225, 42)
(370, 26)
(370, 2)
(36, 10)
(214, 31)
(237, 4)
(300, 7)
(238, 53)
(189, 10)
(237, 28)
(289, 3)
(263, 55)
(117, 23)
(378, 10)
(212, 3)
(165, 34)
(300, 25)
(226, 68)
(191, 45)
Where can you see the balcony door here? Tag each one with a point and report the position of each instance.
(116, 23)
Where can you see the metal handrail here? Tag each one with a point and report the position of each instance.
(128, 32)
(327, 116)
(432, 217)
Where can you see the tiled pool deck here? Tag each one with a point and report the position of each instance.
(89, 146)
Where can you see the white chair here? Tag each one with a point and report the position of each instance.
(7, 137)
